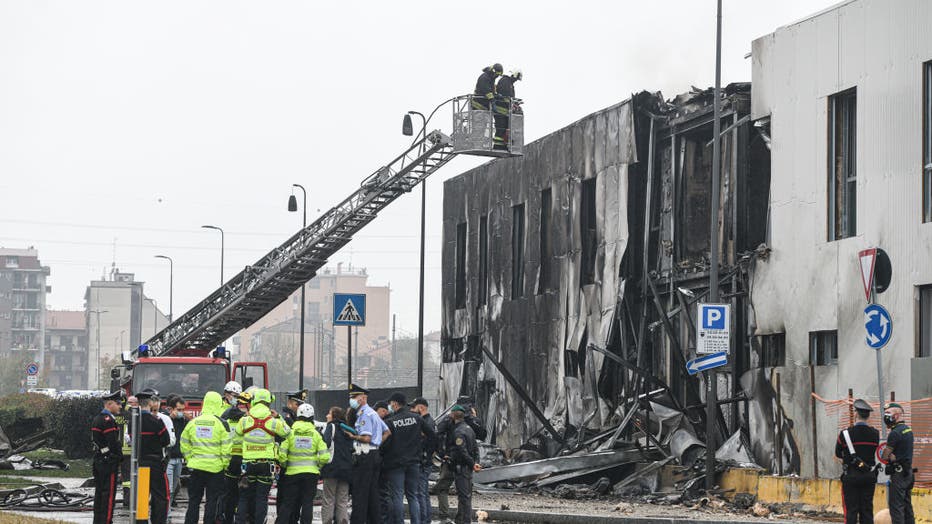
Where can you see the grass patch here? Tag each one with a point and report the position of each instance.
(78, 468)
(8, 518)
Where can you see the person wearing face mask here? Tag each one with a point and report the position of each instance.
(898, 454)
(367, 462)
(174, 407)
(401, 462)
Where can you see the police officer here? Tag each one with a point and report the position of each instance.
(485, 87)
(463, 454)
(855, 447)
(401, 458)
(206, 445)
(231, 475)
(899, 457)
(153, 440)
(301, 455)
(368, 435)
(421, 407)
(445, 440)
(259, 429)
(504, 101)
(292, 403)
(108, 453)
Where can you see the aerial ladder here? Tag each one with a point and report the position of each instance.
(258, 288)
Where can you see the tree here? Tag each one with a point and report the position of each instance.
(13, 372)
(107, 362)
(279, 351)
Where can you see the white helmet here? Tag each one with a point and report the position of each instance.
(516, 74)
(233, 387)
(305, 411)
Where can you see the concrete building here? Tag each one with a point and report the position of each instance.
(119, 318)
(847, 96)
(23, 290)
(66, 344)
(325, 346)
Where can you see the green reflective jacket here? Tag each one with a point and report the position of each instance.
(304, 451)
(206, 442)
(259, 443)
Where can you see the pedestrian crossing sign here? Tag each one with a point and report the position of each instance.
(349, 309)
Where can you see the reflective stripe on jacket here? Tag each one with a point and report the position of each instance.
(206, 443)
(304, 451)
(259, 441)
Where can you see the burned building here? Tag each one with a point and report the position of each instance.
(571, 274)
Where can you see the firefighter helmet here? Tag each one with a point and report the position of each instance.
(233, 387)
(497, 68)
(305, 411)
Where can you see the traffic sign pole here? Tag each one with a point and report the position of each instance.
(349, 357)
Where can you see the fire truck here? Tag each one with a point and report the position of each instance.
(187, 357)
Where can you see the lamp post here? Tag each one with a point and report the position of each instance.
(171, 285)
(292, 207)
(407, 130)
(97, 367)
(221, 250)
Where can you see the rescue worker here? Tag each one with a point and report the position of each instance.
(485, 87)
(153, 440)
(368, 435)
(231, 392)
(504, 105)
(401, 458)
(421, 407)
(259, 428)
(445, 440)
(855, 447)
(108, 453)
(294, 400)
(206, 445)
(231, 475)
(301, 455)
(898, 454)
(464, 456)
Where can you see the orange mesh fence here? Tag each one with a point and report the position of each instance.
(918, 414)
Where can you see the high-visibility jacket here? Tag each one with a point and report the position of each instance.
(206, 443)
(304, 451)
(259, 429)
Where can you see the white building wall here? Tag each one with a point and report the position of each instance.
(809, 283)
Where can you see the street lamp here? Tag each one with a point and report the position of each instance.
(292, 207)
(171, 286)
(221, 250)
(97, 367)
(407, 130)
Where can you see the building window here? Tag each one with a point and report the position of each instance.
(925, 322)
(460, 294)
(517, 251)
(588, 233)
(823, 348)
(773, 350)
(12, 262)
(544, 279)
(927, 142)
(483, 260)
(842, 154)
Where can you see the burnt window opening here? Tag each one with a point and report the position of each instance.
(842, 169)
(927, 142)
(823, 348)
(571, 363)
(588, 232)
(460, 295)
(925, 322)
(772, 350)
(517, 251)
(483, 294)
(544, 280)
(693, 198)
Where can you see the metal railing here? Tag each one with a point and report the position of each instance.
(488, 127)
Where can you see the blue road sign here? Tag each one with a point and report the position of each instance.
(878, 324)
(707, 362)
(32, 369)
(349, 309)
(713, 316)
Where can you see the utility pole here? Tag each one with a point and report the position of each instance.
(394, 355)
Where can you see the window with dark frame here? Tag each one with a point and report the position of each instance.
(842, 175)
(927, 142)
(925, 322)
(773, 350)
(483, 260)
(823, 348)
(588, 232)
(517, 251)
(460, 294)
(544, 279)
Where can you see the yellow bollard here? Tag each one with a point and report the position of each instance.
(142, 494)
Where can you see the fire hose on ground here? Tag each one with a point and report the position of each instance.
(45, 497)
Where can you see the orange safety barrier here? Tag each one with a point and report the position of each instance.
(918, 414)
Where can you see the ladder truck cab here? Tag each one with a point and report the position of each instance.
(189, 375)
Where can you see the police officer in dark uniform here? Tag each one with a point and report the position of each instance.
(485, 87)
(464, 456)
(420, 407)
(899, 457)
(401, 458)
(153, 439)
(855, 447)
(291, 406)
(108, 453)
(445, 440)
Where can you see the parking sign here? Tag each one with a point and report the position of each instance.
(713, 329)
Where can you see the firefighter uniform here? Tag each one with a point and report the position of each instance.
(485, 87)
(900, 469)
(301, 456)
(231, 475)
(259, 431)
(106, 435)
(153, 439)
(856, 447)
(206, 445)
(464, 455)
(504, 100)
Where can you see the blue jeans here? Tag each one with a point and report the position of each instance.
(404, 483)
(174, 476)
(424, 494)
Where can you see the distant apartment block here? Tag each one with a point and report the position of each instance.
(65, 364)
(22, 301)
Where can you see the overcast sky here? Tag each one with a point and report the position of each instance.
(125, 126)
